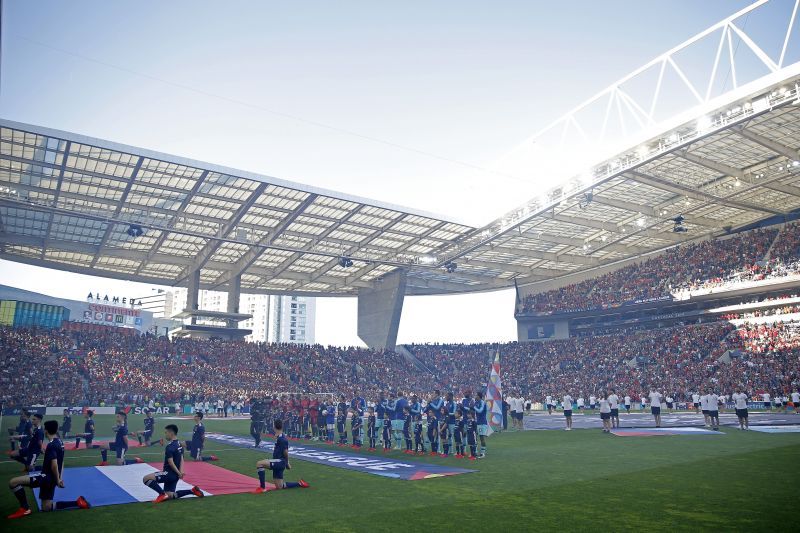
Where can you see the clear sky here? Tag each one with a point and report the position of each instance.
(404, 102)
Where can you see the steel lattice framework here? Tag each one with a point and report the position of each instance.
(725, 158)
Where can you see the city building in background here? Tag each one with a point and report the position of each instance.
(275, 318)
(157, 303)
(293, 319)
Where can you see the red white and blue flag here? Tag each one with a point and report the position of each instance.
(112, 485)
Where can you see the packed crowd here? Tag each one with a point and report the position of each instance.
(787, 245)
(35, 367)
(631, 360)
(116, 368)
(704, 264)
(111, 368)
(786, 309)
(763, 358)
(765, 270)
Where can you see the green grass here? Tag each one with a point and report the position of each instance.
(530, 481)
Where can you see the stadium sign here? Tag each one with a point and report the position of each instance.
(379, 466)
(16, 411)
(110, 315)
(136, 410)
(115, 300)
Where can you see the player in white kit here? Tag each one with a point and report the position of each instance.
(740, 404)
(613, 402)
(605, 413)
(696, 402)
(655, 406)
(704, 409)
(567, 402)
(712, 401)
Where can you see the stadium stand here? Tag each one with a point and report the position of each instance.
(682, 268)
(102, 367)
(113, 367)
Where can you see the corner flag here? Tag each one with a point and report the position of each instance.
(494, 396)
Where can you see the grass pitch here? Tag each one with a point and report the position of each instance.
(530, 481)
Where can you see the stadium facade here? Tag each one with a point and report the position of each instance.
(62, 311)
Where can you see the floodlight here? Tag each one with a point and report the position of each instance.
(135, 230)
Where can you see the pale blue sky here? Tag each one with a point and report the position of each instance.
(463, 80)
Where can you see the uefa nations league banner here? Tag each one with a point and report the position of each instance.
(379, 466)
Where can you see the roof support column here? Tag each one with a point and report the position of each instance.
(193, 293)
(379, 311)
(234, 294)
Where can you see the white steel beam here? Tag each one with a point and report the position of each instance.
(778, 148)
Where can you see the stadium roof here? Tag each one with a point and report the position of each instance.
(68, 201)
(731, 159)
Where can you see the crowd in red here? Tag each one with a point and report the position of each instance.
(679, 268)
(677, 361)
(71, 368)
(105, 365)
(787, 245)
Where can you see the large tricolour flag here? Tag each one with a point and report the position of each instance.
(111, 485)
(494, 396)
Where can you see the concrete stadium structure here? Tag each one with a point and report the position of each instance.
(724, 158)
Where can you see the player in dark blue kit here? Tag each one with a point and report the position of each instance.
(66, 425)
(172, 472)
(399, 414)
(120, 444)
(31, 448)
(358, 404)
(278, 463)
(458, 434)
(387, 432)
(149, 426)
(444, 432)
(88, 430)
(472, 434)
(419, 440)
(330, 421)
(407, 420)
(391, 407)
(341, 419)
(355, 428)
(416, 406)
(451, 406)
(23, 431)
(47, 480)
(436, 403)
(380, 410)
(195, 446)
(466, 405)
(372, 431)
(433, 432)
(257, 413)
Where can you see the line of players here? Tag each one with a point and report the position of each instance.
(30, 440)
(608, 405)
(448, 426)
